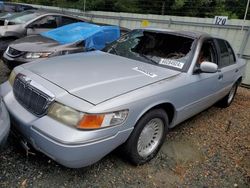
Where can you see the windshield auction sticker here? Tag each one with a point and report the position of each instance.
(152, 75)
(172, 63)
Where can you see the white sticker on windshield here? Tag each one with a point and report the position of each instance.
(172, 63)
(152, 75)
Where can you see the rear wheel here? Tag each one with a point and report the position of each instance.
(147, 137)
(228, 99)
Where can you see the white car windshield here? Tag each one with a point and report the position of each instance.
(22, 17)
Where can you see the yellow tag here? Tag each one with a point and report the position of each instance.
(145, 23)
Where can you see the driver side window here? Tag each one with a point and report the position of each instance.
(207, 53)
(49, 22)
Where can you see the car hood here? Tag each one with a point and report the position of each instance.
(98, 76)
(35, 43)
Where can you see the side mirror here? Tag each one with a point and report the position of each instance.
(208, 67)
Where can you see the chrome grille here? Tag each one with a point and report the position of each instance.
(34, 100)
(13, 52)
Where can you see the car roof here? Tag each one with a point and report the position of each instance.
(40, 12)
(191, 34)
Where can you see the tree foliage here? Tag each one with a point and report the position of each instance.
(198, 8)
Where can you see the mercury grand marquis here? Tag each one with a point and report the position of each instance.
(78, 108)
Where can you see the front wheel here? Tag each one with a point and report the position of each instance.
(147, 137)
(228, 99)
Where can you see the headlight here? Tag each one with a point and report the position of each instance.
(36, 55)
(12, 77)
(81, 120)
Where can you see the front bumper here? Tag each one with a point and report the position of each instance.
(66, 145)
(4, 124)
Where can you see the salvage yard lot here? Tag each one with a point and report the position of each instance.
(211, 149)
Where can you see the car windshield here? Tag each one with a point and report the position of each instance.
(165, 49)
(22, 17)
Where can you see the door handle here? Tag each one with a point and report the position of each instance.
(236, 70)
(220, 76)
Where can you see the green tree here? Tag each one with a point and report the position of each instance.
(198, 8)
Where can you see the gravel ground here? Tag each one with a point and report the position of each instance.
(211, 149)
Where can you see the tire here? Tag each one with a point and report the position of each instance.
(150, 129)
(228, 99)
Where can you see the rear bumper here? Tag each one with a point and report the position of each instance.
(4, 124)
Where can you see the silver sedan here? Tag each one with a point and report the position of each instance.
(78, 108)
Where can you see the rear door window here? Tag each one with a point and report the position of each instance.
(66, 20)
(232, 58)
(224, 53)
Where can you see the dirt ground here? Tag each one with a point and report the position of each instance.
(211, 149)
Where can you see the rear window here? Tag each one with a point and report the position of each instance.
(232, 58)
(67, 20)
(163, 49)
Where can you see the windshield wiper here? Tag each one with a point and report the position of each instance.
(149, 59)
